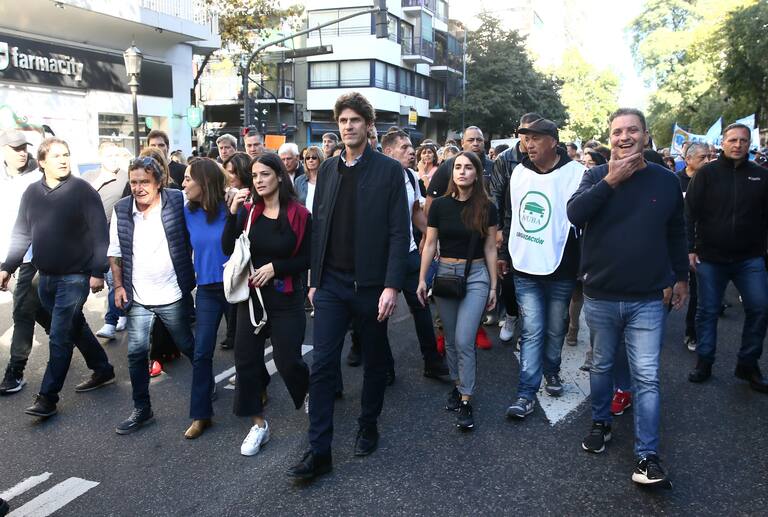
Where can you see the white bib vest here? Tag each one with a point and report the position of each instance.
(540, 225)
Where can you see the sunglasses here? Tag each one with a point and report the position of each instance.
(144, 163)
(311, 158)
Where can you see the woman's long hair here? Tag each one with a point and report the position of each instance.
(241, 165)
(475, 213)
(210, 178)
(285, 191)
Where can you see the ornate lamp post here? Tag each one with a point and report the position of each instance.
(133, 57)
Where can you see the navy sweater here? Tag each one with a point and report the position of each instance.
(634, 239)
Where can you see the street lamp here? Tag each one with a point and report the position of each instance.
(132, 57)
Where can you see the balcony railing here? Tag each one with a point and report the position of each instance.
(419, 47)
(427, 4)
(190, 10)
(283, 89)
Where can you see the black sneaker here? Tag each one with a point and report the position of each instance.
(701, 372)
(454, 400)
(42, 407)
(12, 383)
(95, 382)
(464, 420)
(4, 508)
(521, 408)
(138, 418)
(554, 385)
(598, 436)
(648, 471)
(436, 370)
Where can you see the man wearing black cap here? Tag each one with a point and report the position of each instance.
(540, 247)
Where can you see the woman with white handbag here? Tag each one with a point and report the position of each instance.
(276, 231)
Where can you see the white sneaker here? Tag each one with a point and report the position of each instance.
(122, 322)
(508, 330)
(107, 331)
(306, 404)
(257, 437)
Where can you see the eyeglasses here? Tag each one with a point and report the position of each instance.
(311, 158)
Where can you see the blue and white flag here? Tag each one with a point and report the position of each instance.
(714, 133)
(747, 121)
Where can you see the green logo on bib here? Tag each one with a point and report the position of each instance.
(535, 212)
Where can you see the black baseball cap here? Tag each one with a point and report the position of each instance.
(541, 126)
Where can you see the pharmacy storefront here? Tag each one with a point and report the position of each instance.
(79, 95)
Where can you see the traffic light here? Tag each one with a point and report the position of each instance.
(382, 23)
(283, 128)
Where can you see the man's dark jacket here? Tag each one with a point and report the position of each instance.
(503, 166)
(381, 237)
(727, 211)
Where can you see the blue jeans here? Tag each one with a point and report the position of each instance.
(210, 308)
(461, 318)
(750, 278)
(543, 306)
(175, 317)
(63, 297)
(113, 313)
(642, 325)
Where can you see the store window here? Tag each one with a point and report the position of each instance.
(118, 128)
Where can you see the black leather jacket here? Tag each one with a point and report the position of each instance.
(502, 169)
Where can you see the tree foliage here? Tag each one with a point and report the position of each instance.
(676, 44)
(502, 83)
(590, 96)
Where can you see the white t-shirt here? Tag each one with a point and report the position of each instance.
(413, 195)
(310, 196)
(153, 277)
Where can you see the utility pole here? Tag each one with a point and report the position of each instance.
(463, 79)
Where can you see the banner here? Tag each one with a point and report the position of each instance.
(714, 133)
(681, 136)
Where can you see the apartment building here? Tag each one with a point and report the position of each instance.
(62, 68)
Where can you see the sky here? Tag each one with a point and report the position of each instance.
(607, 43)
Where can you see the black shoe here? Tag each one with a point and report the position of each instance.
(464, 419)
(648, 471)
(367, 441)
(12, 383)
(311, 466)
(390, 377)
(353, 357)
(554, 385)
(95, 382)
(436, 370)
(598, 436)
(4, 508)
(454, 400)
(701, 372)
(42, 407)
(752, 374)
(138, 418)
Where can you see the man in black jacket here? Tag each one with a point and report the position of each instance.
(63, 219)
(359, 262)
(727, 215)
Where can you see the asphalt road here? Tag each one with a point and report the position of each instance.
(713, 443)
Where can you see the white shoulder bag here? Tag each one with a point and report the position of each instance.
(236, 272)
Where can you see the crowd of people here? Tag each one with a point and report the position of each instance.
(527, 236)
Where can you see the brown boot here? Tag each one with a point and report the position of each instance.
(197, 428)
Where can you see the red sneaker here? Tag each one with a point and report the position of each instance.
(155, 368)
(482, 341)
(441, 344)
(622, 400)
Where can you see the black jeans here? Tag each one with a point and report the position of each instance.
(422, 316)
(693, 303)
(286, 322)
(337, 302)
(27, 310)
(508, 293)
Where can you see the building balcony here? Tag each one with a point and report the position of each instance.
(418, 51)
(283, 90)
(414, 7)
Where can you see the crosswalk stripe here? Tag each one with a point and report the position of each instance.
(25, 485)
(55, 498)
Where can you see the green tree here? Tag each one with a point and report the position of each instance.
(673, 46)
(590, 96)
(502, 83)
(744, 45)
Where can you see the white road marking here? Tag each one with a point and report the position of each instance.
(25, 485)
(57, 497)
(271, 368)
(226, 374)
(575, 381)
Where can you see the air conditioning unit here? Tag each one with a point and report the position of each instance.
(287, 91)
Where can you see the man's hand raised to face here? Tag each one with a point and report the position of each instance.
(621, 169)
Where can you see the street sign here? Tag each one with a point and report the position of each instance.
(413, 117)
(194, 116)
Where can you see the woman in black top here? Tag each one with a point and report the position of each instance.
(464, 223)
(280, 230)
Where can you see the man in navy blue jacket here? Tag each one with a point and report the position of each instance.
(633, 244)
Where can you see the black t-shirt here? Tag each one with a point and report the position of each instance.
(454, 237)
(684, 180)
(340, 253)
